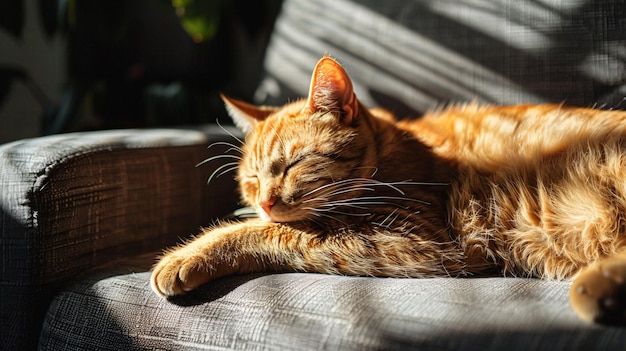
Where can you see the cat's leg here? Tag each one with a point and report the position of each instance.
(598, 293)
(257, 246)
(229, 249)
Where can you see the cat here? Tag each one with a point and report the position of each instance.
(470, 190)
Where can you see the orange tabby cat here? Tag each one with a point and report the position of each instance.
(532, 190)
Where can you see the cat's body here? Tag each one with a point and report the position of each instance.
(537, 190)
(540, 189)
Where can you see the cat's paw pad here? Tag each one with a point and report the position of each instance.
(598, 294)
(178, 274)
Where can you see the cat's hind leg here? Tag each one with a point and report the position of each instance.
(598, 292)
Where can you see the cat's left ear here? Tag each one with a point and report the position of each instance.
(246, 116)
(331, 90)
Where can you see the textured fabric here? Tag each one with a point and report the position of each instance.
(413, 55)
(320, 312)
(71, 202)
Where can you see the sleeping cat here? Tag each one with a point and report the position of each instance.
(531, 190)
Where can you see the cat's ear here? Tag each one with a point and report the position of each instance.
(331, 90)
(246, 116)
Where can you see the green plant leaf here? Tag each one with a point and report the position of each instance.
(199, 18)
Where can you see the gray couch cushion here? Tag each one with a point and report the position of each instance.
(301, 311)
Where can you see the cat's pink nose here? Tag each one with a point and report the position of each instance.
(268, 204)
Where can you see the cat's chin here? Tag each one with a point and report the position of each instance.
(273, 217)
(265, 217)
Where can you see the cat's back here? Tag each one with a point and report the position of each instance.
(534, 182)
(488, 137)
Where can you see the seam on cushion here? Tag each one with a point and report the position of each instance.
(117, 145)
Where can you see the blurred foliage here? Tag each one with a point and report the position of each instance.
(199, 18)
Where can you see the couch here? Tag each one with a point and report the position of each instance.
(84, 215)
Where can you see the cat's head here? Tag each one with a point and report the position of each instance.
(301, 158)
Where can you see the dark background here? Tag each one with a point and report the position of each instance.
(134, 63)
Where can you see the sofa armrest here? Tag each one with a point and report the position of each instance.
(72, 202)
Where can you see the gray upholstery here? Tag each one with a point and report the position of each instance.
(299, 311)
(82, 216)
(414, 55)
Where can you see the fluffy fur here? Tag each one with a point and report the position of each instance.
(532, 190)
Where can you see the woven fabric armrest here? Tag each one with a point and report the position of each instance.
(69, 203)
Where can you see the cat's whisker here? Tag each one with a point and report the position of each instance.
(384, 223)
(233, 166)
(216, 157)
(329, 185)
(375, 169)
(377, 200)
(318, 214)
(362, 205)
(411, 214)
(349, 213)
(314, 209)
(358, 204)
(335, 192)
(330, 199)
(373, 182)
(233, 147)
(393, 198)
(410, 182)
(348, 190)
(365, 184)
(228, 132)
(330, 192)
(319, 199)
(395, 185)
(332, 205)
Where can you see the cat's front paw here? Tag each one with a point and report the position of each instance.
(176, 274)
(598, 294)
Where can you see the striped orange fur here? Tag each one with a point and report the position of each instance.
(530, 190)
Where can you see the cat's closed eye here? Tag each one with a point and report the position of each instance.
(292, 165)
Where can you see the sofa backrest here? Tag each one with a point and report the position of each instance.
(411, 56)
